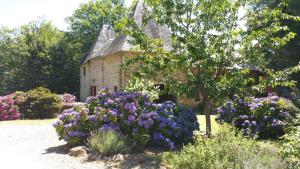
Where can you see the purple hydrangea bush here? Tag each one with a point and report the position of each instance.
(264, 117)
(131, 114)
(8, 109)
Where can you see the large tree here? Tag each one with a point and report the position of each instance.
(289, 55)
(87, 21)
(214, 43)
(27, 56)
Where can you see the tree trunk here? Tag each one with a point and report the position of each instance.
(206, 111)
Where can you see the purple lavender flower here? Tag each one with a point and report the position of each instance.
(90, 99)
(162, 124)
(110, 126)
(145, 123)
(57, 123)
(243, 117)
(76, 134)
(109, 101)
(277, 123)
(130, 107)
(131, 119)
(92, 118)
(158, 136)
(66, 137)
(284, 114)
(113, 112)
(104, 128)
(253, 123)
(67, 126)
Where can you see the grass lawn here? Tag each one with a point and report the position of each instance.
(27, 122)
(214, 124)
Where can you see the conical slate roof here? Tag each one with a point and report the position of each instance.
(107, 43)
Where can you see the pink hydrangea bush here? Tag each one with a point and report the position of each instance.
(8, 109)
(68, 98)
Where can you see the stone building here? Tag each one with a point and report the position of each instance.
(101, 67)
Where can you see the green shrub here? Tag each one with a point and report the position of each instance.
(226, 150)
(144, 86)
(108, 143)
(290, 147)
(40, 103)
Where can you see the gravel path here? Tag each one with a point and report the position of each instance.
(37, 147)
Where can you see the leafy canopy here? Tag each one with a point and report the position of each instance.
(214, 45)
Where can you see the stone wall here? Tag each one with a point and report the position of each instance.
(103, 72)
(84, 81)
(106, 72)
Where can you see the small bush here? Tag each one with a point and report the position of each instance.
(265, 117)
(226, 149)
(108, 143)
(290, 147)
(8, 109)
(41, 103)
(74, 125)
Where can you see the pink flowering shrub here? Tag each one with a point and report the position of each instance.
(68, 98)
(8, 109)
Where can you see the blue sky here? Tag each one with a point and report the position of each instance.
(14, 13)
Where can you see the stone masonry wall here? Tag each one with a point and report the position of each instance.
(106, 72)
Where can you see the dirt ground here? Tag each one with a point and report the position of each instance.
(36, 146)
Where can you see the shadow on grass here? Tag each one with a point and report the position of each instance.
(62, 149)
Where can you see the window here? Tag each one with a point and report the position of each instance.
(83, 71)
(116, 88)
(93, 90)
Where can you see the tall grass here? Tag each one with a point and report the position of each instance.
(108, 143)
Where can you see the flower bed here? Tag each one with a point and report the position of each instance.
(8, 109)
(131, 114)
(265, 117)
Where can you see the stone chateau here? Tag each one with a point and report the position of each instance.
(101, 67)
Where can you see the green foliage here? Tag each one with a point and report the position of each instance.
(27, 56)
(291, 143)
(108, 143)
(40, 103)
(38, 54)
(87, 21)
(210, 45)
(144, 86)
(289, 55)
(226, 149)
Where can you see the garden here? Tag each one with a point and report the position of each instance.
(238, 60)
(252, 132)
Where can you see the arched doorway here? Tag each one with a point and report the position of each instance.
(165, 95)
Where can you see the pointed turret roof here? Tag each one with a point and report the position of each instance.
(107, 43)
